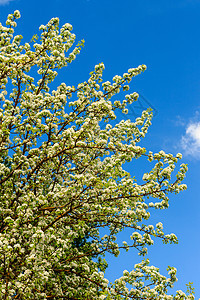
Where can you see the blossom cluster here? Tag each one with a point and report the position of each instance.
(64, 193)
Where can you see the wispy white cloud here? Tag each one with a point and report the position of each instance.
(153, 8)
(190, 141)
(3, 2)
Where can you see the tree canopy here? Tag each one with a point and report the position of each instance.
(64, 193)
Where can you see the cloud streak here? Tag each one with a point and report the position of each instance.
(3, 2)
(190, 141)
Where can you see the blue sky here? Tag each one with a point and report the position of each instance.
(164, 35)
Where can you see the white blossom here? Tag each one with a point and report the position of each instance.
(64, 191)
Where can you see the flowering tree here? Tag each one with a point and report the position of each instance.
(64, 195)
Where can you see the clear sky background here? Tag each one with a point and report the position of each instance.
(164, 35)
